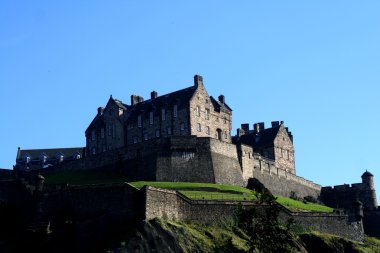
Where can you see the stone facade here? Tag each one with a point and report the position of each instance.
(274, 143)
(190, 111)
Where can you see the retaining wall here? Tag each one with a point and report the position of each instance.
(171, 204)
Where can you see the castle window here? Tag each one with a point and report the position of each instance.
(182, 126)
(199, 127)
(280, 152)
(113, 131)
(145, 136)
(93, 135)
(207, 114)
(109, 130)
(198, 111)
(135, 139)
(139, 121)
(225, 120)
(27, 159)
(77, 156)
(102, 133)
(175, 111)
(287, 154)
(157, 133)
(104, 148)
(163, 114)
(207, 130)
(151, 118)
(169, 130)
(93, 151)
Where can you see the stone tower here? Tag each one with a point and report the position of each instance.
(367, 179)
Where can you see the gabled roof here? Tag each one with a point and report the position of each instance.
(98, 118)
(264, 138)
(180, 97)
(220, 106)
(36, 153)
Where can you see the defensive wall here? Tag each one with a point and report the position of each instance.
(371, 223)
(344, 196)
(194, 159)
(277, 180)
(166, 203)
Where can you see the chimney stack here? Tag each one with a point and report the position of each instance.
(153, 95)
(258, 127)
(134, 100)
(240, 132)
(198, 80)
(245, 127)
(222, 99)
(275, 124)
(140, 99)
(100, 110)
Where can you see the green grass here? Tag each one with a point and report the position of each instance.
(84, 177)
(296, 206)
(199, 195)
(194, 186)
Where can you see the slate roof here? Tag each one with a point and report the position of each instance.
(265, 138)
(367, 174)
(35, 153)
(220, 106)
(180, 97)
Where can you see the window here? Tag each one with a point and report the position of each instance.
(225, 120)
(207, 114)
(169, 130)
(151, 118)
(225, 135)
(93, 135)
(163, 114)
(61, 158)
(93, 151)
(78, 156)
(157, 133)
(145, 136)
(182, 126)
(135, 139)
(113, 131)
(287, 154)
(175, 111)
(280, 152)
(102, 133)
(139, 121)
(109, 147)
(197, 111)
(28, 159)
(207, 130)
(109, 130)
(199, 127)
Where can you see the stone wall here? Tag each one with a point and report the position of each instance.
(284, 151)
(277, 180)
(371, 222)
(173, 205)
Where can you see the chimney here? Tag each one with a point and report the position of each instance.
(258, 127)
(134, 100)
(198, 80)
(140, 99)
(100, 110)
(153, 95)
(222, 99)
(245, 127)
(275, 124)
(240, 132)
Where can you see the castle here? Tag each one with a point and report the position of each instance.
(185, 136)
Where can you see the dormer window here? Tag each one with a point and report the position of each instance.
(77, 156)
(175, 111)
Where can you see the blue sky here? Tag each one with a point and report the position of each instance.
(313, 64)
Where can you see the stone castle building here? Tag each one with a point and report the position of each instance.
(187, 112)
(186, 136)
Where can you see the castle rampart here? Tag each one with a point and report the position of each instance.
(166, 203)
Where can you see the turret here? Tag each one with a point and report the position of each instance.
(367, 178)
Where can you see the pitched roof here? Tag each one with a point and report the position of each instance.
(220, 106)
(264, 138)
(35, 153)
(180, 97)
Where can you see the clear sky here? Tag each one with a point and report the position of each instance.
(313, 64)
